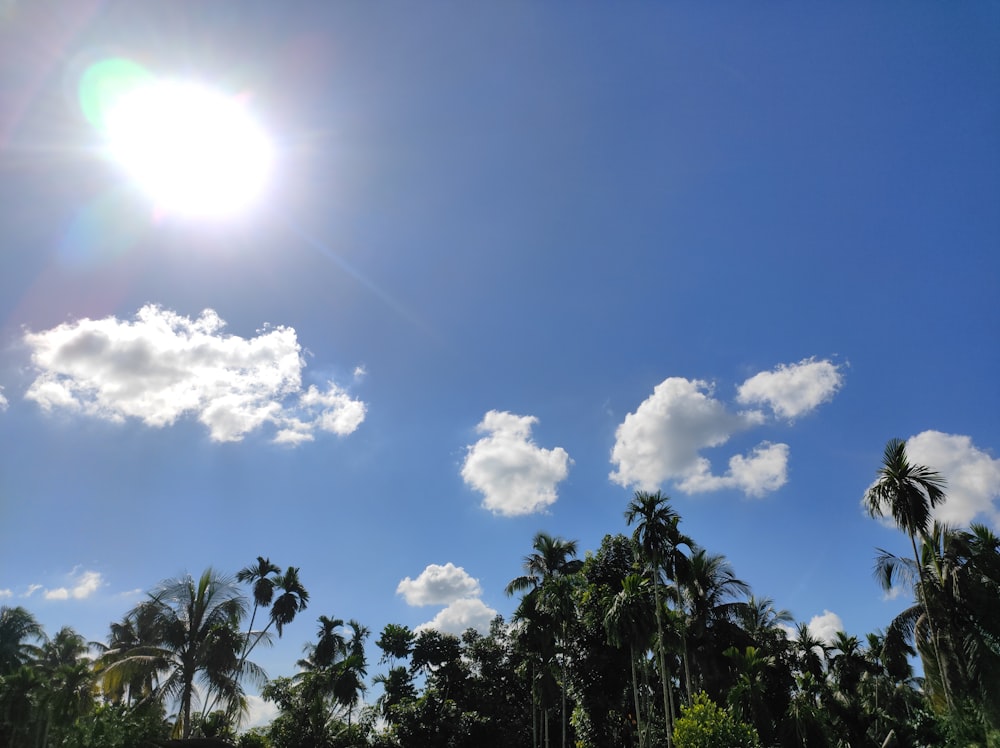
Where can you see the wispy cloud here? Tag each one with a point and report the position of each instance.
(3, 400)
(514, 474)
(161, 366)
(6, 593)
(973, 476)
(83, 585)
(665, 436)
(439, 585)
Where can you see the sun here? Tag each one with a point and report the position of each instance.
(195, 151)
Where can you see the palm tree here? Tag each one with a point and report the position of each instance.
(197, 640)
(17, 628)
(960, 587)
(547, 571)
(628, 621)
(909, 494)
(653, 539)
(713, 615)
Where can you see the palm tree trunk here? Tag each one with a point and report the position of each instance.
(664, 675)
(684, 641)
(930, 623)
(635, 698)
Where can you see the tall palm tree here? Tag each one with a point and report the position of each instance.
(197, 641)
(628, 621)
(654, 519)
(960, 587)
(711, 589)
(547, 571)
(909, 494)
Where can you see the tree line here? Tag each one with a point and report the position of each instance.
(649, 641)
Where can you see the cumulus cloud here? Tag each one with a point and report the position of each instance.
(85, 584)
(765, 469)
(468, 613)
(514, 474)
(973, 477)
(791, 390)
(664, 438)
(6, 593)
(439, 585)
(825, 627)
(3, 400)
(161, 366)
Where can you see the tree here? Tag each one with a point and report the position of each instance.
(196, 641)
(628, 621)
(17, 629)
(909, 494)
(547, 571)
(657, 538)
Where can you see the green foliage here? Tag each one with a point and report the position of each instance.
(115, 726)
(705, 725)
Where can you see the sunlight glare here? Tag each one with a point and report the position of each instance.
(194, 151)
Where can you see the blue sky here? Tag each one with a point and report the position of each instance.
(513, 262)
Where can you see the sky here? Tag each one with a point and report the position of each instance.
(507, 264)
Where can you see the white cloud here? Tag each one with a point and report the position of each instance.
(462, 615)
(515, 475)
(661, 441)
(825, 627)
(6, 593)
(162, 366)
(973, 476)
(32, 589)
(792, 389)
(763, 470)
(439, 585)
(260, 712)
(86, 583)
(3, 400)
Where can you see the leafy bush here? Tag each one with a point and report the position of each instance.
(705, 725)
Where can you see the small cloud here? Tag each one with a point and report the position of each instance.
(3, 400)
(360, 372)
(973, 476)
(32, 589)
(6, 593)
(162, 366)
(825, 627)
(893, 593)
(514, 474)
(461, 615)
(438, 585)
(86, 584)
(792, 390)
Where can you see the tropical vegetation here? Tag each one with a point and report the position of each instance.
(649, 640)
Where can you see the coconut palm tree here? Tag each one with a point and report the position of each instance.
(909, 494)
(18, 628)
(197, 642)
